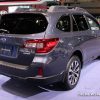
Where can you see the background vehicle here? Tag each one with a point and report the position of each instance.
(48, 47)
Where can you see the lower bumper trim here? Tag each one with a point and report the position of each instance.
(7, 64)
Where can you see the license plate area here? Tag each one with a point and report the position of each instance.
(8, 51)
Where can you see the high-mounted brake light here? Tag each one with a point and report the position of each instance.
(42, 45)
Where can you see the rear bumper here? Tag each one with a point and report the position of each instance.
(29, 74)
(45, 80)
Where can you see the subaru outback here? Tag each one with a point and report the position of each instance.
(50, 46)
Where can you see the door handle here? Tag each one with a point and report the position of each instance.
(80, 38)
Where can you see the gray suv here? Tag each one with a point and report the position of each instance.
(50, 46)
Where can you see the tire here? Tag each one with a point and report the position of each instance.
(72, 73)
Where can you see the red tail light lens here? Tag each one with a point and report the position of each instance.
(42, 45)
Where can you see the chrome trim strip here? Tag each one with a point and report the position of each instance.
(21, 67)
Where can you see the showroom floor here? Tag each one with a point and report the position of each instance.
(88, 88)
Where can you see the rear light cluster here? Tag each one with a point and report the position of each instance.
(42, 45)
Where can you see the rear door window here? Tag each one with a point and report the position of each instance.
(28, 23)
(81, 22)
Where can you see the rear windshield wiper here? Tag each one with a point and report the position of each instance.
(3, 31)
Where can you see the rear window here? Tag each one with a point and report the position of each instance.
(26, 23)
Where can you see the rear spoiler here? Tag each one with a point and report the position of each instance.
(16, 3)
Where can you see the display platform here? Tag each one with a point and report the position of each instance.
(88, 88)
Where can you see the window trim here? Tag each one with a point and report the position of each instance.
(72, 17)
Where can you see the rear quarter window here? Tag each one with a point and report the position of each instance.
(64, 24)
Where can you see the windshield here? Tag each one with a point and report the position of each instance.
(23, 23)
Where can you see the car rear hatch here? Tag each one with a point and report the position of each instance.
(16, 33)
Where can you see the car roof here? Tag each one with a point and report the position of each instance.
(66, 9)
(58, 10)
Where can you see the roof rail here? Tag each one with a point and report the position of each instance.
(65, 8)
(57, 8)
(80, 9)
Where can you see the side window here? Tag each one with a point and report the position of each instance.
(93, 24)
(81, 22)
(63, 24)
(75, 27)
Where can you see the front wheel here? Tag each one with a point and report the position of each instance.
(72, 73)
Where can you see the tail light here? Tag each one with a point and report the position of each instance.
(42, 45)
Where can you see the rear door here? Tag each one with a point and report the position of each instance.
(15, 31)
(95, 30)
(84, 37)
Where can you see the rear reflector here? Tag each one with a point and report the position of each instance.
(42, 45)
(40, 71)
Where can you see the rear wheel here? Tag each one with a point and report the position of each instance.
(72, 74)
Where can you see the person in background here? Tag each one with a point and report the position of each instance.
(61, 2)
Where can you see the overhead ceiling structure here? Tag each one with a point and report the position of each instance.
(5, 4)
(93, 6)
(70, 1)
(20, 2)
